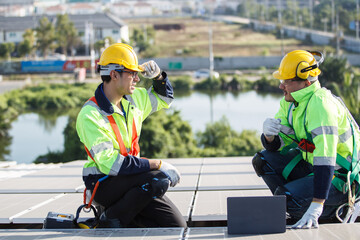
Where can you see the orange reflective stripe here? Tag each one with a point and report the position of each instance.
(135, 148)
(118, 136)
(93, 99)
(88, 153)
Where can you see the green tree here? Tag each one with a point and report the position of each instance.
(219, 139)
(340, 78)
(167, 136)
(66, 33)
(45, 34)
(208, 84)
(6, 49)
(26, 47)
(101, 43)
(333, 70)
(142, 38)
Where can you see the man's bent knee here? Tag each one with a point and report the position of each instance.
(258, 163)
(156, 186)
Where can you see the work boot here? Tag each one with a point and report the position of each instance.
(105, 222)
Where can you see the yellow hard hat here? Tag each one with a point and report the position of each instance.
(121, 54)
(299, 63)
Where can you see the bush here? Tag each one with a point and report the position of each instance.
(220, 140)
(182, 83)
(208, 84)
(239, 84)
(167, 136)
(265, 85)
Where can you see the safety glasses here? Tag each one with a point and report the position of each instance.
(288, 81)
(133, 74)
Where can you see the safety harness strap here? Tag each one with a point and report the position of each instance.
(338, 182)
(287, 148)
(291, 165)
(116, 130)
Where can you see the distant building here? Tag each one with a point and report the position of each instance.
(166, 7)
(104, 25)
(56, 9)
(16, 2)
(16, 10)
(145, 8)
(142, 9)
(84, 8)
(122, 9)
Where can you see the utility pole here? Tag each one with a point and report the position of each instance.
(311, 13)
(281, 28)
(262, 9)
(325, 21)
(211, 54)
(266, 10)
(92, 51)
(87, 38)
(332, 16)
(295, 11)
(247, 9)
(211, 59)
(300, 21)
(256, 10)
(357, 19)
(337, 36)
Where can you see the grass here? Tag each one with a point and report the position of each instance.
(229, 40)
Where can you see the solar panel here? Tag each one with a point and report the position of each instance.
(212, 205)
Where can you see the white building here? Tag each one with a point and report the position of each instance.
(145, 8)
(56, 9)
(142, 9)
(84, 8)
(122, 9)
(104, 25)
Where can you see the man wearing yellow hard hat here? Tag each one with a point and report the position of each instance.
(311, 145)
(129, 187)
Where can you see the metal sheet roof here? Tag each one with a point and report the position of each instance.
(99, 21)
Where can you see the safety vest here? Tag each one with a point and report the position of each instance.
(110, 135)
(135, 148)
(333, 131)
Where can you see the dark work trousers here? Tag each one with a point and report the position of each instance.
(125, 199)
(299, 187)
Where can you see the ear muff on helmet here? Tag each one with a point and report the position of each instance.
(303, 68)
(299, 64)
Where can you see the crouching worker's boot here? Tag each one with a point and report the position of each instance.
(105, 222)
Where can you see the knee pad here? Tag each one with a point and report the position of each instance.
(157, 187)
(292, 204)
(281, 190)
(258, 163)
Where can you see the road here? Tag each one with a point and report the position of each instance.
(6, 86)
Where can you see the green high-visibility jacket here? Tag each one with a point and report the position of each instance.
(96, 133)
(318, 116)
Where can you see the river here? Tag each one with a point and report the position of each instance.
(35, 134)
